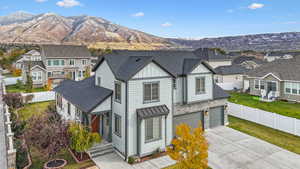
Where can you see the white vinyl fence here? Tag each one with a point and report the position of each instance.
(11, 80)
(272, 120)
(231, 85)
(41, 96)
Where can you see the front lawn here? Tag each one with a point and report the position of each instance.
(284, 140)
(29, 110)
(16, 89)
(280, 107)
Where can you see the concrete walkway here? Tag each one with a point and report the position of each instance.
(228, 149)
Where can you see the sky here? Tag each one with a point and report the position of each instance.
(177, 18)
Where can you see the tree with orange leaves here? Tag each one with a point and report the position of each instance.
(189, 148)
(49, 85)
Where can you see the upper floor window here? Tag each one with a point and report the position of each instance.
(72, 62)
(200, 85)
(56, 62)
(118, 92)
(49, 62)
(151, 92)
(84, 61)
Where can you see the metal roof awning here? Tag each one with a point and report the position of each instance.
(154, 111)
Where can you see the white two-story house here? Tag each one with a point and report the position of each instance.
(137, 98)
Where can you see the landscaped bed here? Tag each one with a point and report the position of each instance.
(177, 167)
(16, 89)
(29, 110)
(280, 107)
(284, 140)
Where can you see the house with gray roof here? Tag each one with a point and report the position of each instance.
(214, 57)
(279, 79)
(56, 63)
(32, 55)
(136, 99)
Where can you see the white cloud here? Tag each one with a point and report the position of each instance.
(68, 3)
(40, 1)
(230, 11)
(256, 6)
(166, 24)
(139, 14)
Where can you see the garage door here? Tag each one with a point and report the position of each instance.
(216, 116)
(192, 119)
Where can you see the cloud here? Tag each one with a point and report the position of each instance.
(166, 24)
(68, 3)
(40, 1)
(256, 6)
(230, 11)
(139, 14)
(291, 22)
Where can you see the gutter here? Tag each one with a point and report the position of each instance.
(126, 120)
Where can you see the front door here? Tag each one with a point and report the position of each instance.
(106, 121)
(271, 87)
(95, 123)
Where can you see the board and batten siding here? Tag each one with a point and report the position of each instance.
(135, 96)
(178, 93)
(64, 110)
(108, 81)
(199, 71)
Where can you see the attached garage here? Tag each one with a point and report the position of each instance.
(216, 117)
(192, 119)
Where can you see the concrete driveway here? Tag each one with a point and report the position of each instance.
(231, 149)
(228, 149)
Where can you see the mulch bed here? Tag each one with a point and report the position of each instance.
(150, 157)
(77, 156)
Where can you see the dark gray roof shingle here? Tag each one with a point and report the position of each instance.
(230, 70)
(65, 51)
(285, 69)
(154, 111)
(219, 93)
(31, 64)
(241, 59)
(211, 54)
(83, 94)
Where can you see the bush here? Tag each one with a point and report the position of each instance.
(21, 156)
(131, 160)
(19, 84)
(13, 100)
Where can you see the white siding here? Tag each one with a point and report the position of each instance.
(151, 70)
(215, 64)
(200, 69)
(135, 94)
(191, 90)
(104, 106)
(64, 111)
(178, 93)
(108, 81)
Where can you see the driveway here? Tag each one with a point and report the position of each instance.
(228, 149)
(231, 149)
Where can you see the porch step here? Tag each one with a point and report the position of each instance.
(100, 150)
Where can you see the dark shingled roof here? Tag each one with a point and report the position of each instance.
(211, 54)
(124, 63)
(83, 94)
(31, 64)
(219, 93)
(285, 69)
(241, 59)
(230, 70)
(65, 51)
(154, 111)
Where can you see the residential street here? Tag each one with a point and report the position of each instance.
(229, 149)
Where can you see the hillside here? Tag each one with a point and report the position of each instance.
(53, 28)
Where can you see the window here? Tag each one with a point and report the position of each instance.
(79, 73)
(36, 76)
(83, 61)
(49, 62)
(99, 81)
(174, 84)
(59, 100)
(151, 92)
(262, 84)
(256, 84)
(152, 129)
(49, 74)
(118, 92)
(78, 114)
(200, 85)
(56, 62)
(294, 88)
(118, 122)
(69, 109)
(62, 62)
(72, 62)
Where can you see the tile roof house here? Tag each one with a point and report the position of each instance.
(57, 62)
(279, 79)
(136, 99)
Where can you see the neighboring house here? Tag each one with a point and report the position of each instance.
(137, 98)
(271, 56)
(279, 79)
(248, 62)
(32, 55)
(59, 62)
(214, 57)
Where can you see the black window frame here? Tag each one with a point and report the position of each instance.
(118, 125)
(118, 94)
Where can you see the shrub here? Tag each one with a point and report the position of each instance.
(21, 155)
(13, 100)
(131, 160)
(19, 84)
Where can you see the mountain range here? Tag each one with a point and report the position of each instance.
(22, 27)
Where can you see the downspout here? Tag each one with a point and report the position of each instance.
(126, 120)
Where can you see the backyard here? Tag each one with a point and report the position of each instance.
(21, 88)
(284, 140)
(284, 108)
(38, 159)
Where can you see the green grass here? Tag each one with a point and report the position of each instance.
(29, 110)
(15, 89)
(38, 160)
(280, 107)
(284, 140)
